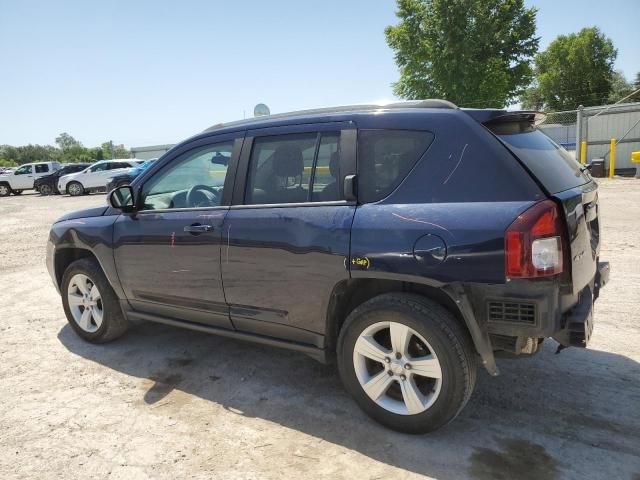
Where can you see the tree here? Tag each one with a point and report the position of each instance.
(119, 151)
(474, 53)
(575, 69)
(620, 89)
(66, 141)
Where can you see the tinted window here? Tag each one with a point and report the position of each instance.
(117, 165)
(43, 168)
(194, 180)
(554, 167)
(294, 168)
(385, 157)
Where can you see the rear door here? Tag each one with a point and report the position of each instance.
(41, 169)
(286, 236)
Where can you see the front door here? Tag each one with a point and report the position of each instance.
(168, 254)
(287, 234)
(23, 178)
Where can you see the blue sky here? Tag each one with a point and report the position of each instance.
(148, 72)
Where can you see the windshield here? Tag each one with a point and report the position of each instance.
(552, 165)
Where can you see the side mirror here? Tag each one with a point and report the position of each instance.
(122, 198)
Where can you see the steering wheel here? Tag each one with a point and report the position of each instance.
(202, 196)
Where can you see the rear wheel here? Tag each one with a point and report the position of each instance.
(75, 189)
(407, 362)
(5, 190)
(90, 304)
(45, 189)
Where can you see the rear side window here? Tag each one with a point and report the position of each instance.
(385, 157)
(553, 166)
(294, 168)
(42, 168)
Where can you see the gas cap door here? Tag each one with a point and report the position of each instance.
(430, 250)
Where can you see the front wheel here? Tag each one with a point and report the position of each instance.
(75, 189)
(407, 362)
(5, 190)
(90, 304)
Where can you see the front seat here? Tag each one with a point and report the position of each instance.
(287, 163)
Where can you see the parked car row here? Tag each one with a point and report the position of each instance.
(75, 179)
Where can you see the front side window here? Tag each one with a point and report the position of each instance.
(118, 165)
(194, 180)
(385, 157)
(24, 170)
(294, 168)
(101, 167)
(43, 168)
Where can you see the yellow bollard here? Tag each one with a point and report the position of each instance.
(612, 157)
(583, 152)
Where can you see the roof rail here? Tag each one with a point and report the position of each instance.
(429, 103)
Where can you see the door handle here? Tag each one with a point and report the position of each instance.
(198, 228)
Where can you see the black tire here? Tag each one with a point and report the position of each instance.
(75, 189)
(17, 192)
(449, 340)
(5, 190)
(114, 324)
(45, 189)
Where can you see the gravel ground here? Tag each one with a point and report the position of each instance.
(170, 403)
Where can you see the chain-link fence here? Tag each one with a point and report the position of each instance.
(597, 126)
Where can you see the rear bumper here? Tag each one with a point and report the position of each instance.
(578, 322)
(526, 310)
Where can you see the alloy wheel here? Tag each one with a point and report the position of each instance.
(397, 368)
(85, 303)
(4, 190)
(45, 189)
(75, 189)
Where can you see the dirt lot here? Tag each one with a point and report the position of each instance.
(168, 403)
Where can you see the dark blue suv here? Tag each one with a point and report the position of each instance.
(407, 242)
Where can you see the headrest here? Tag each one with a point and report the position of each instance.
(287, 161)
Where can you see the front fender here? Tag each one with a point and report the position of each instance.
(94, 235)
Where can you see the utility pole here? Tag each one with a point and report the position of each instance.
(113, 155)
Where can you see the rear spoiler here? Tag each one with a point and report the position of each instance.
(489, 116)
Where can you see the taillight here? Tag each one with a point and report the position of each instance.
(533, 242)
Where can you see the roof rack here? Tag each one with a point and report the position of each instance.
(429, 103)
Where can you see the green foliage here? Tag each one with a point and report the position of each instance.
(66, 141)
(8, 163)
(119, 151)
(620, 89)
(474, 53)
(68, 150)
(574, 70)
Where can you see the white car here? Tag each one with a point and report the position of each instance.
(23, 177)
(93, 178)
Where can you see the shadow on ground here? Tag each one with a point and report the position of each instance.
(545, 417)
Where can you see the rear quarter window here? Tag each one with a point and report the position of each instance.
(385, 157)
(551, 164)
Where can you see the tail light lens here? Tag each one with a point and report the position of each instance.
(533, 243)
